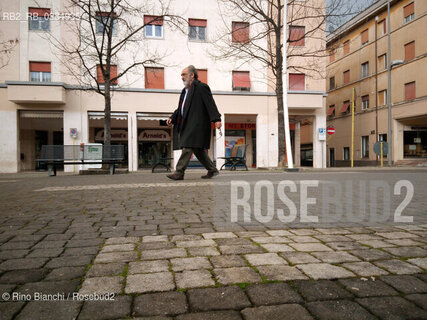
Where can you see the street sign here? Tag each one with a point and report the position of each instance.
(331, 130)
(322, 134)
(73, 133)
(377, 148)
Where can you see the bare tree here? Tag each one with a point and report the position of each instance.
(266, 22)
(107, 42)
(6, 49)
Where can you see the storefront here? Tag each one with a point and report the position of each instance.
(415, 142)
(152, 145)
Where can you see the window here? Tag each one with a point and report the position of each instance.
(103, 22)
(40, 71)
(154, 78)
(408, 12)
(410, 51)
(346, 76)
(197, 29)
(365, 146)
(331, 83)
(331, 111)
(241, 81)
(410, 90)
(346, 153)
(113, 74)
(365, 102)
(382, 62)
(39, 19)
(153, 26)
(347, 47)
(297, 81)
(332, 55)
(240, 32)
(297, 36)
(382, 27)
(364, 36)
(382, 97)
(345, 107)
(365, 69)
(203, 75)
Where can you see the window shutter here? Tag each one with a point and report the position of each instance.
(410, 91)
(296, 36)
(40, 66)
(154, 78)
(332, 56)
(240, 32)
(153, 20)
(296, 81)
(365, 36)
(347, 76)
(410, 51)
(345, 106)
(241, 79)
(347, 47)
(113, 74)
(197, 23)
(203, 75)
(408, 10)
(40, 12)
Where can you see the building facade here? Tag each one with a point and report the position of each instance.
(41, 103)
(358, 59)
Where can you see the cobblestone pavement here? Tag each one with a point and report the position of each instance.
(137, 246)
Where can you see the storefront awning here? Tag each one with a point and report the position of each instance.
(31, 114)
(97, 115)
(152, 116)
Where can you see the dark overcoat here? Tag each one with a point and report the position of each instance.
(193, 129)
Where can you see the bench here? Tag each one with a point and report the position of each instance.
(160, 161)
(58, 155)
(237, 158)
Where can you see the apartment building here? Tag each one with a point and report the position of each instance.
(358, 59)
(41, 103)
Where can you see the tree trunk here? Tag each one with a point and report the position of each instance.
(107, 115)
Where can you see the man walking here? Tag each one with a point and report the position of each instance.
(192, 124)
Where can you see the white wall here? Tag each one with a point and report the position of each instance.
(9, 141)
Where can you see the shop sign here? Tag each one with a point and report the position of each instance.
(116, 135)
(240, 126)
(154, 135)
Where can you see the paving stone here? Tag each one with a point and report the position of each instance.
(251, 234)
(338, 310)
(333, 231)
(234, 242)
(23, 276)
(45, 253)
(8, 309)
(6, 288)
(277, 247)
(280, 273)
(148, 266)
(406, 284)
(397, 266)
(154, 238)
(194, 279)
(304, 232)
(321, 290)
(335, 256)
(66, 273)
(240, 249)
(261, 259)
(213, 315)
(81, 251)
(50, 310)
(155, 245)
(419, 299)
(219, 235)
(84, 243)
(105, 269)
(332, 238)
(49, 287)
(50, 244)
(279, 233)
(16, 245)
(224, 298)
(407, 252)
(377, 244)
(295, 257)
(396, 235)
(159, 304)
(203, 251)
(150, 282)
(196, 243)
(405, 242)
(394, 308)
(310, 247)
(69, 261)
(263, 240)
(227, 261)
(118, 247)
(368, 287)
(186, 237)
(163, 254)
(303, 239)
(364, 269)
(272, 293)
(102, 285)
(21, 264)
(104, 310)
(122, 240)
(116, 257)
(371, 254)
(420, 262)
(346, 245)
(363, 237)
(180, 264)
(237, 275)
(324, 271)
(13, 254)
(292, 312)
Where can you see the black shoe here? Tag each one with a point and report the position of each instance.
(175, 176)
(211, 174)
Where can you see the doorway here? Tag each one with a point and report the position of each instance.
(331, 157)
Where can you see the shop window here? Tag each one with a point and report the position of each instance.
(410, 51)
(382, 27)
(113, 74)
(39, 19)
(241, 81)
(365, 102)
(40, 71)
(240, 32)
(346, 76)
(346, 153)
(364, 36)
(365, 69)
(382, 62)
(347, 47)
(408, 12)
(382, 97)
(203, 75)
(153, 26)
(410, 90)
(297, 36)
(331, 83)
(154, 78)
(415, 144)
(297, 81)
(103, 22)
(365, 146)
(197, 29)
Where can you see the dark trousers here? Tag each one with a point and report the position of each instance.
(201, 155)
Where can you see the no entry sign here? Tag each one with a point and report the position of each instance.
(331, 130)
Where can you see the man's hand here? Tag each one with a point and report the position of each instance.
(218, 124)
(169, 122)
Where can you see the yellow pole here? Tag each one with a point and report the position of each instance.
(74, 166)
(352, 128)
(381, 145)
